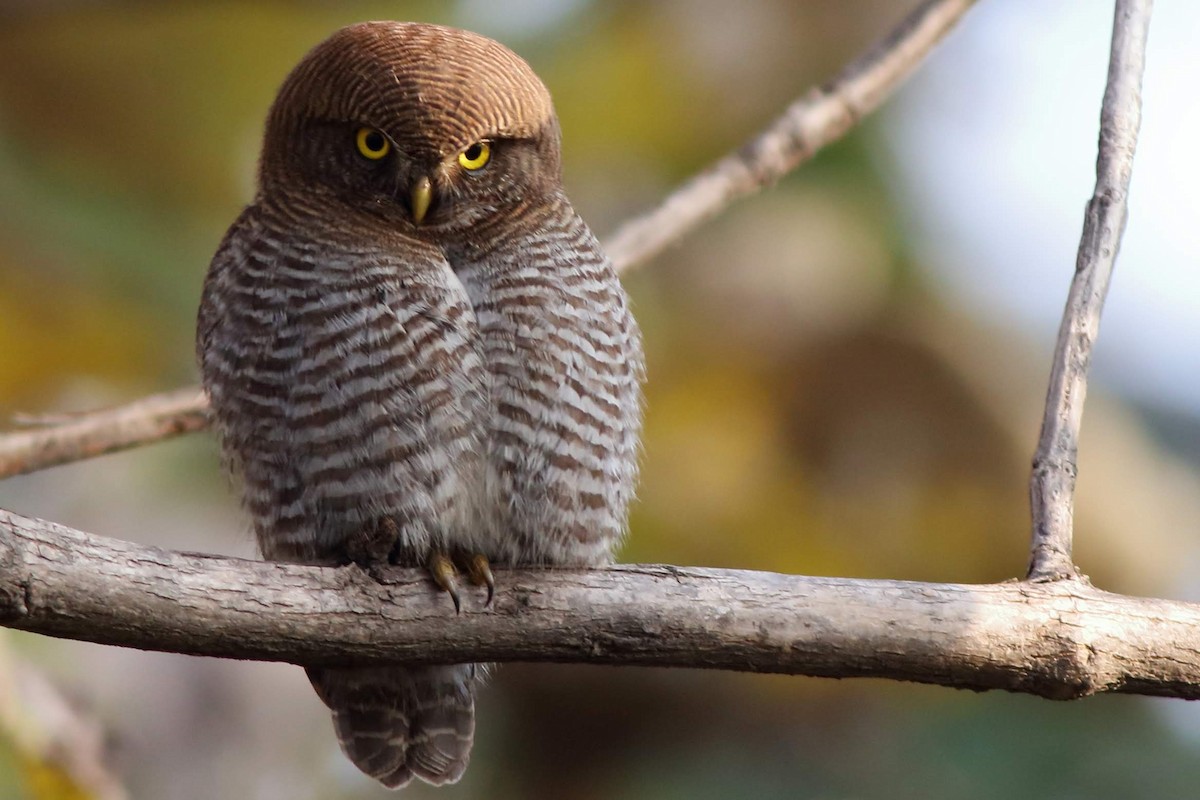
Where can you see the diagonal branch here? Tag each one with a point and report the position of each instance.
(821, 116)
(1052, 484)
(1060, 640)
(52, 733)
(80, 436)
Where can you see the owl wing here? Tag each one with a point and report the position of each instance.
(348, 387)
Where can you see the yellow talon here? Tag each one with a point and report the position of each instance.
(443, 572)
(480, 572)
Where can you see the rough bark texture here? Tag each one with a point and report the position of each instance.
(1052, 483)
(1060, 640)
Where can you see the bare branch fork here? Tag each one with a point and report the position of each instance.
(1055, 638)
(1052, 485)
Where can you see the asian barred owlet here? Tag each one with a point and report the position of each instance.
(417, 353)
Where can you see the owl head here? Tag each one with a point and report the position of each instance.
(430, 128)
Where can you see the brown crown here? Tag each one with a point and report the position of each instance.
(433, 89)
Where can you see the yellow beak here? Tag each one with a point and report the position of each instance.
(422, 196)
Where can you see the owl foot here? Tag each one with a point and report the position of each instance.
(445, 576)
(445, 570)
(480, 573)
(370, 545)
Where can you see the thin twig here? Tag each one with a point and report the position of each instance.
(1052, 484)
(151, 419)
(821, 116)
(1060, 640)
(818, 118)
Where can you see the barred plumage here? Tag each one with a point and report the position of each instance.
(565, 361)
(413, 360)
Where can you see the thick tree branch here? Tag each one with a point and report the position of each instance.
(1060, 640)
(1052, 484)
(820, 117)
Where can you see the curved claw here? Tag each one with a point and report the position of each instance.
(480, 572)
(443, 572)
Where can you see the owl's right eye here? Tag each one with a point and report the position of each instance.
(372, 143)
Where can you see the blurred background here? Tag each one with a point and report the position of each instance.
(846, 378)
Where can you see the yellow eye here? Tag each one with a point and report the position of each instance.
(475, 156)
(372, 143)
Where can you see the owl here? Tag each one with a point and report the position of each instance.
(417, 353)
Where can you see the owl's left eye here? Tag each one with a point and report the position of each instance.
(372, 143)
(476, 156)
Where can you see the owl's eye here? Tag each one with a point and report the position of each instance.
(476, 156)
(372, 143)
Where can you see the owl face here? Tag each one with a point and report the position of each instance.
(432, 130)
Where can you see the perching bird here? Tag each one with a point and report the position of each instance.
(417, 353)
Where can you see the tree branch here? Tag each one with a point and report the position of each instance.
(1052, 484)
(1059, 640)
(821, 116)
(80, 436)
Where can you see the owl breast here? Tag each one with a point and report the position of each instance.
(565, 362)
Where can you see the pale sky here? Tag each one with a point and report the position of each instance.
(996, 139)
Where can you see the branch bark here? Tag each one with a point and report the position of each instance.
(1059, 640)
(1052, 484)
(820, 117)
(80, 436)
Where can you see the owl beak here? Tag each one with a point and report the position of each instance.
(422, 196)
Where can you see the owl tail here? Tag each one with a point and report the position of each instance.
(396, 723)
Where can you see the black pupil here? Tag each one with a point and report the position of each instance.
(374, 141)
(474, 152)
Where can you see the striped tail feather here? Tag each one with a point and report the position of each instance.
(397, 723)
